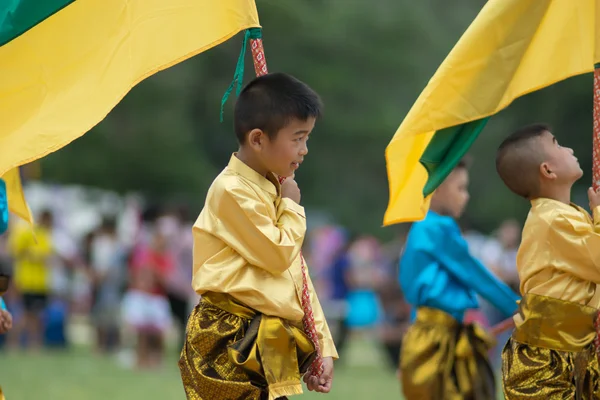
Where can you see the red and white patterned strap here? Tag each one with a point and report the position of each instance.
(258, 56)
(308, 321)
(596, 140)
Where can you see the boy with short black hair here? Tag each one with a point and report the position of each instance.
(259, 326)
(551, 354)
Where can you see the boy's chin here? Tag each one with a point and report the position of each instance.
(284, 174)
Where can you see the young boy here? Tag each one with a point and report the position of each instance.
(443, 357)
(259, 325)
(551, 353)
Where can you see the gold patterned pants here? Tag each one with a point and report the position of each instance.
(443, 359)
(536, 373)
(206, 369)
(551, 353)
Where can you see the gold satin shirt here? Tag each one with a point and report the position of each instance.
(559, 256)
(247, 243)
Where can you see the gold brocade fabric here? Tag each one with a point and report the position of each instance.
(551, 353)
(444, 359)
(231, 352)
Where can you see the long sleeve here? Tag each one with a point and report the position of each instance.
(3, 207)
(575, 244)
(455, 257)
(325, 339)
(243, 222)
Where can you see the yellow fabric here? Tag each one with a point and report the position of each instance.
(512, 48)
(31, 252)
(64, 75)
(554, 324)
(16, 198)
(231, 352)
(206, 370)
(443, 359)
(559, 256)
(551, 354)
(272, 353)
(247, 243)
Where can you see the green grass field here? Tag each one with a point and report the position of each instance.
(79, 375)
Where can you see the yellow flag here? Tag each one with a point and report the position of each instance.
(16, 198)
(512, 48)
(65, 64)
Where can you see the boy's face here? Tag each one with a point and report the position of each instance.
(452, 195)
(560, 165)
(284, 154)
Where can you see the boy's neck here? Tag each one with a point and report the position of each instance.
(558, 193)
(438, 209)
(250, 160)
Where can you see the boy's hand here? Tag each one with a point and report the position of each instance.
(5, 321)
(324, 383)
(326, 379)
(594, 197)
(290, 189)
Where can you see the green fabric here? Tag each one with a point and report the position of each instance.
(238, 75)
(18, 16)
(446, 149)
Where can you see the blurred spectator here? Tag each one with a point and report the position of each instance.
(32, 253)
(108, 277)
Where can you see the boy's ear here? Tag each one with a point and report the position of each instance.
(256, 138)
(546, 171)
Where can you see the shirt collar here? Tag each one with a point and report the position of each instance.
(540, 202)
(269, 184)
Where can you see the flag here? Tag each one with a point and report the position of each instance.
(512, 48)
(64, 64)
(16, 198)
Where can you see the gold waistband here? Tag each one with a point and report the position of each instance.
(469, 337)
(435, 316)
(554, 324)
(272, 349)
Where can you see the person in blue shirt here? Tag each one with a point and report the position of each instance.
(5, 316)
(441, 357)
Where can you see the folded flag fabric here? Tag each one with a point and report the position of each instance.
(512, 48)
(64, 64)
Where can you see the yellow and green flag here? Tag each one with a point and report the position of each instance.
(64, 64)
(512, 48)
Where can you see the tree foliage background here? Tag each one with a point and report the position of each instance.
(369, 60)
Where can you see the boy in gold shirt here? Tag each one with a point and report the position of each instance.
(551, 354)
(259, 326)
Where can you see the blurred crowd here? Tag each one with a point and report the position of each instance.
(129, 278)
(131, 285)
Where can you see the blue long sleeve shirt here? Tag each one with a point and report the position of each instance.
(3, 207)
(437, 271)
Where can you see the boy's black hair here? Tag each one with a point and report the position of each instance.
(518, 160)
(271, 101)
